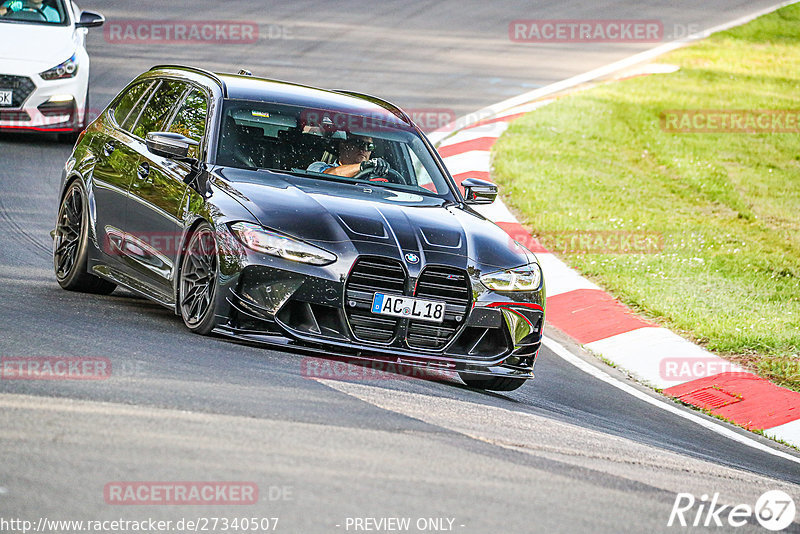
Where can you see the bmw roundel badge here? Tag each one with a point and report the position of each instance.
(412, 258)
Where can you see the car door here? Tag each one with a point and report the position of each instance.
(115, 168)
(156, 209)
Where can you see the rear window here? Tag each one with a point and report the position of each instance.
(190, 120)
(158, 108)
(129, 100)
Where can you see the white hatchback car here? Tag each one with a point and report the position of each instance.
(44, 67)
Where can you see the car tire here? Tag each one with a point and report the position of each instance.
(70, 243)
(492, 383)
(197, 282)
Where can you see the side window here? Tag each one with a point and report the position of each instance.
(164, 99)
(137, 109)
(190, 120)
(129, 100)
(421, 175)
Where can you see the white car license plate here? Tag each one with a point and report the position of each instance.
(6, 97)
(399, 306)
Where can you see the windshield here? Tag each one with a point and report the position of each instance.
(259, 135)
(33, 12)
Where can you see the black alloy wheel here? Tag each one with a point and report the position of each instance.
(70, 242)
(197, 288)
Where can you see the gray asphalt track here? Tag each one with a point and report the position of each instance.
(565, 453)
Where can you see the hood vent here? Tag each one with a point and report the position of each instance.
(364, 226)
(441, 237)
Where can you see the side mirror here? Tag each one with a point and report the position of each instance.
(170, 145)
(479, 191)
(90, 19)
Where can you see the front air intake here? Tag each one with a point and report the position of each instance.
(442, 284)
(370, 276)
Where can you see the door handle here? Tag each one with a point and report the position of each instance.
(143, 172)
(108, 149)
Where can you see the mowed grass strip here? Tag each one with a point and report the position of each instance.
(727, 205)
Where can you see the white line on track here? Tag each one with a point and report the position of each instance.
(611, 68)
(586, 367)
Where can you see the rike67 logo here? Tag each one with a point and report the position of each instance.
(774, 510)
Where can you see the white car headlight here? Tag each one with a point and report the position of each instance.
(266, 241)
(526, 278)
(68, 69)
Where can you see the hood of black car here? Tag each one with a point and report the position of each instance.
(373, 219)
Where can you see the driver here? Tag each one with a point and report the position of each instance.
(354, 157)
(49, 13)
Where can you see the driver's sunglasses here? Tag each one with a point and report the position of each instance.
(362, 145)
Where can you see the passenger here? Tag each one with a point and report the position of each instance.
(354, 157)
(48, 13)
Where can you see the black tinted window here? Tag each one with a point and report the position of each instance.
(191, 117)
(129, 100)
(157, 110)
(263, 135)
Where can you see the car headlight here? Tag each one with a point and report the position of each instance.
(526, 278)
(260, 239)
(68, 69)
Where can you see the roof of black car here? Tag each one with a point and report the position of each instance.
(244, 87)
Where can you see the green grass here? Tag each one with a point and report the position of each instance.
(727, 204)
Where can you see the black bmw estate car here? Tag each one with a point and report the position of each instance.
(290, 215)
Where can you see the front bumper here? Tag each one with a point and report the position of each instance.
(384, 356)
(307, 308)
(34, 108)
